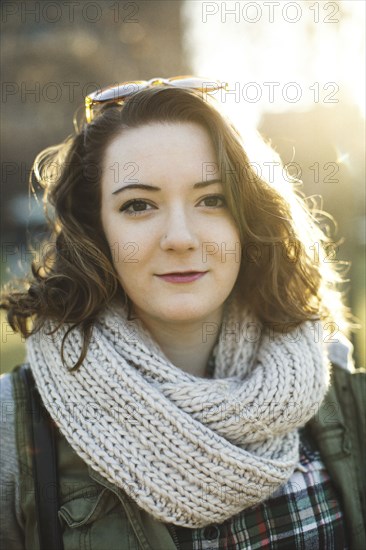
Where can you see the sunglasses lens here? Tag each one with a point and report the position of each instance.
(119, 92)
(114, 93)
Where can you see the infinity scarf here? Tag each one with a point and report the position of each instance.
(188, 450)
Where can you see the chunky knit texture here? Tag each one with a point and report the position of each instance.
(190, 451)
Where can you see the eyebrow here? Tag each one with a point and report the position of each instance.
(146, 187)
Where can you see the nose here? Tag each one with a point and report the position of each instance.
(179, 232)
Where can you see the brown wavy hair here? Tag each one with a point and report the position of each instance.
(74, 278)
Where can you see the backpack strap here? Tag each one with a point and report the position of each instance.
(42, 437)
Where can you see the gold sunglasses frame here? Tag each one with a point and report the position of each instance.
(206, 85)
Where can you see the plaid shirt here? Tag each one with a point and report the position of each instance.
(304, 514)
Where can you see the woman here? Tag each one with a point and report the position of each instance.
(177, 339)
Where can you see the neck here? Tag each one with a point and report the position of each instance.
(188, 346)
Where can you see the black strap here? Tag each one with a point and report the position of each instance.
(42, 436)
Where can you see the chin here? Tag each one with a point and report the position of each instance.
(185, 312)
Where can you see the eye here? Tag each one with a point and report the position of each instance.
(212, 200)
(129, 207)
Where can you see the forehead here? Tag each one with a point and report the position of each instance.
(158, 147)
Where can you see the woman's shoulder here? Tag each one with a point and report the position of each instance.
(8, 457)
(6, 385)
(11, 517)
(339, 350)
(344, 406)
(7, 411)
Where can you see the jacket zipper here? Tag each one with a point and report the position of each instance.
(174, 535)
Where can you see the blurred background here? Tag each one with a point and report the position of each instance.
(296, 72)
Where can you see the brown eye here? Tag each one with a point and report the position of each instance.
(138, 205)
(212, 201)
(134, 207)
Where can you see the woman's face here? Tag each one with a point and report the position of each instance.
(168, 225)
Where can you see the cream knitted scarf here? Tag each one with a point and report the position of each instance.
(190, 451)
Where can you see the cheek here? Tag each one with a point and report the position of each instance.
(227, 245)
(132, 259)
(114, 230)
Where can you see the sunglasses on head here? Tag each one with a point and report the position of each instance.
(117, 94)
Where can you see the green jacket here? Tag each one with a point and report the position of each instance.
(96, 514)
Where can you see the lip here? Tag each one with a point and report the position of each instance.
(188, 277)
